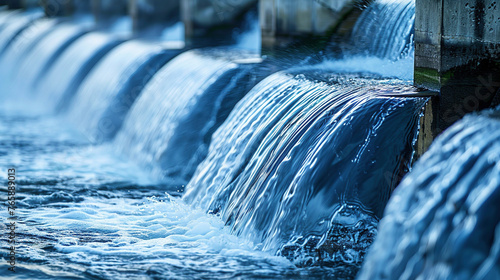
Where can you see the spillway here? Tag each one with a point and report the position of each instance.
(141, 158)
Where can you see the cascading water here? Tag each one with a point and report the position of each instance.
(299, 166)
(63, 79)
(443, 221)
(22, 44)
(39, 59)
(112, 87)
(5, 15)
(20, 48)
(14, 25)
(381, 42)
(297, 151)
(170, 126)
(385, 29)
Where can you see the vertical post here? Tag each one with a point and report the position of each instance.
(457, 51)
(14, 4)
(105, 11)
(56, 8)
(303, 25)
(30, 3)
(154, 13)
(210, 22)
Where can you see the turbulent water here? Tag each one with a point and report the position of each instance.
(288, 178)
(443, 221)
(157, 164)
(83, 212)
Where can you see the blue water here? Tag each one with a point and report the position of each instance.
(136, 160)
(13, 24)
(443, 222)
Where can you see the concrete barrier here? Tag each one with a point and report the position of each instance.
(13, 4)
(27, 4)
(211, 22)
(56, 8)
(299, 23)
(150, 13)
(106, 11)
(457, 53)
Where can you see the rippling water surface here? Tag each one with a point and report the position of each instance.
(86, 213)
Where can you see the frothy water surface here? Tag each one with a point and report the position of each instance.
(84, 212)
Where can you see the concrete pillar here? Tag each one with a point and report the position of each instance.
(106, 11)
(14, 4)
(27, 4)
(20, 4)
(301, 23)
(154, 13)
(82, 6)
(211, 22)
(56, 8)
(457, 51)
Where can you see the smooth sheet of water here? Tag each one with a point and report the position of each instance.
(14, 24)
(170, 126)
(56, 90)
(38, 60)
(112, 87)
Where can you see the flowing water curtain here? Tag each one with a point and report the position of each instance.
(40, 59)
(170, 126)
(14, 25)
(63, 79)
(22, 45)
(301, 156)
(385, 29)
(443, 221)
(109, 90)
(6, 15)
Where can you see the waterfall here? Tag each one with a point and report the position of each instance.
(113, 85)
(169, 127)
(38, 61)
(300, 162)
(65, 76)
(5, 15)
(299, 152)
(385, 29)
(15, 24)
(21, 46)
(443, 221)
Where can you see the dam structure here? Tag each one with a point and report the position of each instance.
(250, 139)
